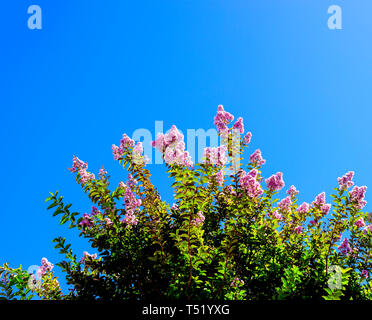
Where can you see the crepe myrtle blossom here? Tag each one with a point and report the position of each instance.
(215, 155)
(319, 203)
(45, 267)
(313, 222)
(138, 158)
(219, 176)
(247, 138)
(292, 191)
(87, 255)
(357, 197)
(275, 182)
(172, 147)
(239, 126)
(285, 204)
(102, 173)
(298, 229)
(276, 215)
(344, 247)
(248, 182)
(303, 208)
(345, 181)
(364, 274)
(108, 222)
(174, 207)
(199, 219)
(87, 221)
(125, 144)
(222, 119)
(360, 223)
(237, 283)
(256, 158)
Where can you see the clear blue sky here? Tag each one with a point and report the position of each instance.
(98, 69)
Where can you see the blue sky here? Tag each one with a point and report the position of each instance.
(98, 69)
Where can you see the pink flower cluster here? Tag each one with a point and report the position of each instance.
(87, 221)
(298, 229)
(220, 177)
(360, 223)
(344, 247)
(138, 158)
(45, 267)
(199, 219)
(87, 255)
(131, 202)
(292, 191)
(247, 138)
(256, 158)
(102, 173)
(319, 203)
(346, 182)
(172, 147)
(357, 196)
(285, 204)
(303, 208)
(248, 182)
(81, 167)
(125, 143)
(237, 283)
(364, 274)
(275, 182)
(276, 215)
(239, 126)
(222, 119)
(215, 155)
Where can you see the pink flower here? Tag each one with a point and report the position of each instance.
(285, 204)
(87, 255)
(298, 229)
(292, 191)
(238, 125)
(108, 222)
(102, 173)
(138, 158)
(222, 119)
(275, 182)
(365, 274)
(346, 181)
(344, 247)
(303, 208)
(248, 182)
(172, 146)
(276, 215)
(220, 178)
(45, 267)
(357, 197)
(319, 202)
(174, 207)
(247, 138)
(86, 222)
(85, 176)
(313, 222)
(256, 158)
(360, 223)
(199, 219)
(77, 164)
(215, 156)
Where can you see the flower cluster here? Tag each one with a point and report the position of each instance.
(275, 182)
(215, 155)
(346, 182)
(198, 221)
(292, 191)
(249, 183)
(45, 267)
(131, 202)
(285, 204)
(303, 208)
(357, 196)
(320, 203)
(256, 158)
(239, 126)
(125, 144)
(172, 146)
(87, 255)
(81, 167)
(222, 119)
(344, 247)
